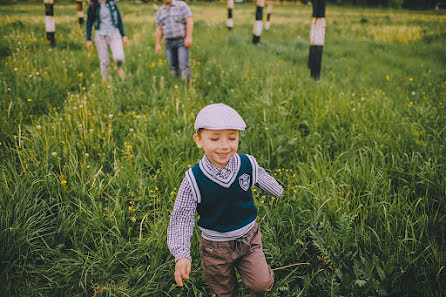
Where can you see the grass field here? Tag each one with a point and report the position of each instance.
(90, 170)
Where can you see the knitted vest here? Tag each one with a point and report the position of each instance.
(225, 209)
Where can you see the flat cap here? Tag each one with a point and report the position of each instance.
(219, 116)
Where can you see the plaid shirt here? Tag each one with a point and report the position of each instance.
(172, 19)
(182, 220)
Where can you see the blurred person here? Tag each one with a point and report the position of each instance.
(174, 22)
(219, 189)
(105, 16)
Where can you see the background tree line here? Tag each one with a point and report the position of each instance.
(407, 4)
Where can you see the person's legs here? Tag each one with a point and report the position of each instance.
(218, 267)
(118, 52)
(183, 61)
(252, 266)
(172, 57)
(104, 57)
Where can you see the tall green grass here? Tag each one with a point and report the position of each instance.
(90, 170)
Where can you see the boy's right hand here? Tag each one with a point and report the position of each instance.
(159, 51)
(182, 270)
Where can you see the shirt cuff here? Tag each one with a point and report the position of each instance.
(181, 255)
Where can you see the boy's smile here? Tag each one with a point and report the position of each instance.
(218, 145)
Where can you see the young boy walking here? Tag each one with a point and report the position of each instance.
(174, 22)
(219, 189)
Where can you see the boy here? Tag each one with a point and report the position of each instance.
(219, 189)
(174, 21)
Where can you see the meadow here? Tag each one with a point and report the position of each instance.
(90, 170)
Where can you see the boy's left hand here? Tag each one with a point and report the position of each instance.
(182, 270)
(187, 41)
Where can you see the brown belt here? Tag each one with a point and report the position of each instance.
(176, 38)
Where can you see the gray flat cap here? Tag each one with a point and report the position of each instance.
(219, 116)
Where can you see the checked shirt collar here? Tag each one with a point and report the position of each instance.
(222, 176)
(171, 4)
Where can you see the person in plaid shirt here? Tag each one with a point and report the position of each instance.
(219, 189)
(174, 22)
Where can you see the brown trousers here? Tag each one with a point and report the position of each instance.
(220, 258)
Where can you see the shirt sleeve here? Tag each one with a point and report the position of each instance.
(265, 181)
(186, 11)
(158, 18)
(268, 183)
(182, 222)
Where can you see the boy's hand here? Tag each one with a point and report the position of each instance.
(182, 270)
(89, 45)
(159, 50)
(187, 41)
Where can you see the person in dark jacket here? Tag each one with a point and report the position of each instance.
(104, 15)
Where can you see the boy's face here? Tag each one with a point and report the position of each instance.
(218, 145)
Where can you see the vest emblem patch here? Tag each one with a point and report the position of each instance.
(244, 181)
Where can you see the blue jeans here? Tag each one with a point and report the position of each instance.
(178, 58)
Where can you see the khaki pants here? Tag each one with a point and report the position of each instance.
(103, 43)
(220, 258)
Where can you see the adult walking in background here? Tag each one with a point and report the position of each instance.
(109, 34)
(174, 22)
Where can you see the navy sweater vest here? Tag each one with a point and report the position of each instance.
(226, 209)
